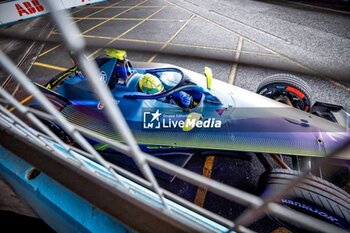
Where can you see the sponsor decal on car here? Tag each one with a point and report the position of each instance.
(309, 208)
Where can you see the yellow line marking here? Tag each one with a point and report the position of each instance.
(177, 32)
(77, 22)
(263, 47)
(223, 49)
(22, 102)
(104, 8)
(202, 190)
(99, 37)
(166, 20)
(239, 49)
(233, 71)
(172, 37)
(50, 66)
(92, 18)
(211, 48)
(141, 41)
(202, 47)
(152, 58)
(297, 64)
(224, 28)
(141, 22)
(118, 37)
(178, 44)
(273, 53)
(127, 6)
(239, 35)
(113, 17)
(49, 50)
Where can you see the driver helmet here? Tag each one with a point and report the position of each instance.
(150, 84)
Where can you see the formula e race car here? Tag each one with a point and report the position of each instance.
(280, 119)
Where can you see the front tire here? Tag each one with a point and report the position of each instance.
(60, 133)
(282, 87)
(314, 197)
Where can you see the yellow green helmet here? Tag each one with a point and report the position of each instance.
(150, 84)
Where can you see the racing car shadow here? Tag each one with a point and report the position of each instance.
(238, 170)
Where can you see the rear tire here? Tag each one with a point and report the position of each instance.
(314, 197)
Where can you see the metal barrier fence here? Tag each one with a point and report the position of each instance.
(179, 213)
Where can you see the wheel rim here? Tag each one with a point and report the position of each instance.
(280, 91)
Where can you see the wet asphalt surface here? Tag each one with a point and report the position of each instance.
(265, 37)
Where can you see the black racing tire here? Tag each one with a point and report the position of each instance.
(284, 84)
(60, 133)
(314, 197)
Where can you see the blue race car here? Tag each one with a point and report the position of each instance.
(174, 113)
(215, 115)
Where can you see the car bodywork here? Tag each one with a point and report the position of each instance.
(236, 119)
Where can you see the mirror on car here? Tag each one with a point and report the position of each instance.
(209, 75)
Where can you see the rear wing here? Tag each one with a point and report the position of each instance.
(105, 64)
(60, 77)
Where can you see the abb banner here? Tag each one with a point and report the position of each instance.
(12, 11)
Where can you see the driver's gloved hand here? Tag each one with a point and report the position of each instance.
(184, 98)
